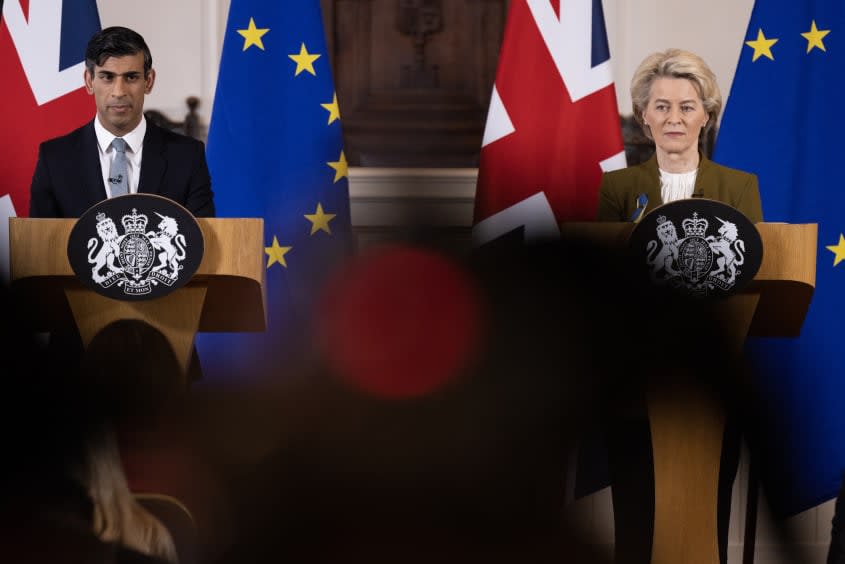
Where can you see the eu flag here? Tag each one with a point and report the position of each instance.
(275, 150)
(783, 122)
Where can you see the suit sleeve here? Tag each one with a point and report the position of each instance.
(749, 200)
(609, 205)
(200, 198)
(42, 200)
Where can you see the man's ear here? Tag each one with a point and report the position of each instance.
(149, 81)
(89, 81)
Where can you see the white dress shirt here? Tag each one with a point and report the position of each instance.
(134, 147)
(677, 185)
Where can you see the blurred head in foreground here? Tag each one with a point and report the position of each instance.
(65, 496)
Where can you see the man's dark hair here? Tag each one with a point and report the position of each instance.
(116, 42)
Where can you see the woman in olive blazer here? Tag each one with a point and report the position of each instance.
(676, 101)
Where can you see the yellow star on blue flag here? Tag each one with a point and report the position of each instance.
(276, 253)
(304, 61)
(838, 250)
(762, 46)
(815, 37)
(252, 35)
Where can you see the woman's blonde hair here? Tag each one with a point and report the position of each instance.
(675, 63)
(136, 400)
(118, 518)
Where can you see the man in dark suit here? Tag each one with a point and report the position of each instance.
(76, 171)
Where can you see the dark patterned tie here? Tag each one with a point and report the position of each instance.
(118, 174)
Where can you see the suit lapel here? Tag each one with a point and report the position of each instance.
(651, 186)
(153, 161)
(704, 188)
(91, 170)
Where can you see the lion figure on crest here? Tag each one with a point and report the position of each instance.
(668, 254)
(731, 250)
(171, 245)
(108, 251)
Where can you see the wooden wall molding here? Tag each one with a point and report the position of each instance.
(407, 105)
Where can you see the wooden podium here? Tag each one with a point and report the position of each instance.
(227, 292)
(687, 429)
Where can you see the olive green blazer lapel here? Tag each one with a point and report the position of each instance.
(705, 181)
(650, 184)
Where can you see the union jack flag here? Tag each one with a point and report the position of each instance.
(42, 60)
(553, 124)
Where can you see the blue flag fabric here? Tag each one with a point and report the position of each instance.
(275, 150)
(783, 122)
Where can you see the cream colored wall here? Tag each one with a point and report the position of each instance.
(185, 38)
(714, 30)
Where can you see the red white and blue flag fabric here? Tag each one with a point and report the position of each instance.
(553, 124)
(42, 61)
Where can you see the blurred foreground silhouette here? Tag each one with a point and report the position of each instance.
(472, 467)
(515, 353)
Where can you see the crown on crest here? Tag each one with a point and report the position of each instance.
(665, 226)
(135, 223)
(695, 226)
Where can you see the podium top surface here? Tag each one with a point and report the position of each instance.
(785, 282)
(232, 268)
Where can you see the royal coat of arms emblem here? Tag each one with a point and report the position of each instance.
(709, 255)
(138, 259)
(144, 260)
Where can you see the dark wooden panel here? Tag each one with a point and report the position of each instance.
(414, 77)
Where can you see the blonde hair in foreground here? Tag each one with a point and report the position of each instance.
(118, 518)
